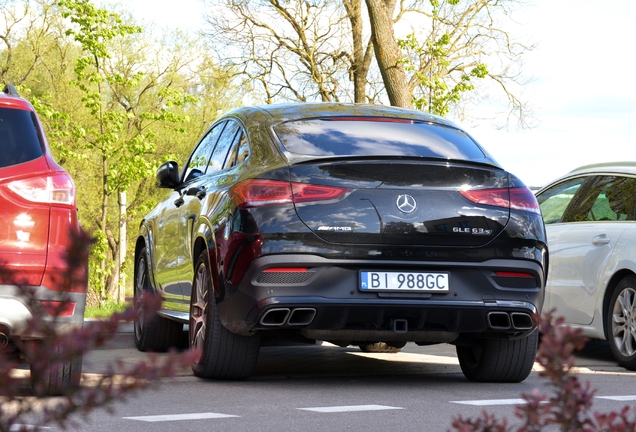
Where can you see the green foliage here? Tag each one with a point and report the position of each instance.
(106, 310)
(440, 88)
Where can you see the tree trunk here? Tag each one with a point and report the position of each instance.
(360, 62)
(121, 257)
(104, 223)
(387, 52)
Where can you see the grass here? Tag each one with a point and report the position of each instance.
(104, 311)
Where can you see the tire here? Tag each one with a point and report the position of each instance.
(382, 347)
(621, 322)
(499, 360)
(224, 355)
(152, 333)
(57, 379)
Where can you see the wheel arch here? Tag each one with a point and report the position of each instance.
(145, 240)
(205, 240)
(611, 286)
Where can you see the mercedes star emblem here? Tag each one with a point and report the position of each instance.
(406, 203)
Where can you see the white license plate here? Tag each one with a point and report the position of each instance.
(404, 281)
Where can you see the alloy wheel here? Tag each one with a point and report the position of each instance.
(198, 308)
(624, 322)
(140, 285)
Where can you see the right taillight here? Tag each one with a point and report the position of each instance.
(56, 188)
(519, 198)
(259, 193)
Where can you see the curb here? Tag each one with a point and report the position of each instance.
(122, 338)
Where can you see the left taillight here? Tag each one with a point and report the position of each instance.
(259, 193)
(519, 198)
(56, 188)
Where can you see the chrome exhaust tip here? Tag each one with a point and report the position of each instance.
(301, 316)
(499, 320)
(275, 317)
(521, 321)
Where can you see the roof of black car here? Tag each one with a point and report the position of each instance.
(298, 110)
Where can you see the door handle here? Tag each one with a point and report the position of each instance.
(199, 192)
(601, 239)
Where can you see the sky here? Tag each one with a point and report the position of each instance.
(583, 90)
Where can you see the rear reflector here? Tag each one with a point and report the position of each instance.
(259, 193)
(286, 270)
(514, 274)
(520, 198)
(58, 308)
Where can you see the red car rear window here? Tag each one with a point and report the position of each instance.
(19, 141)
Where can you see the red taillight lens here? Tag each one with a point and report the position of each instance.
(58, 308)
(258, 193)
(55, 188)
(520, 198)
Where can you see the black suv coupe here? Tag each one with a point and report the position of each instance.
(354, 224)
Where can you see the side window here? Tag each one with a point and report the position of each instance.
(240, 151)
(219, 155)
(610, 198)
(201, 155)
(555, 201)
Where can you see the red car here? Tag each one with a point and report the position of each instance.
(37, 215)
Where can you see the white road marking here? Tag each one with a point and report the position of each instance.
(617, 398)
(176, 417)
(487, 402)
(351, 408)
(26, 427)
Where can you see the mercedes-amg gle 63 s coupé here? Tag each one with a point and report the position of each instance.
(354, 224)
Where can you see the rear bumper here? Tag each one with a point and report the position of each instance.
(18, 307)
(329, 301)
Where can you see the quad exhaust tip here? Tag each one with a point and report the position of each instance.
(277, 317)
(505, 321)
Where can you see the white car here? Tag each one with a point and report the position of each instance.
(590, 220)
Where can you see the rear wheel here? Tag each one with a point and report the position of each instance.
(498, 360)
(382, 347)
(56, 378)
(224, 355)
(621, 322)
(152, 332)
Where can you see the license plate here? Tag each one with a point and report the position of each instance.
(404, 281)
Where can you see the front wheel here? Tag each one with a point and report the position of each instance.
(621, 323)
(498, 360)
(223, 354)
(151, 331)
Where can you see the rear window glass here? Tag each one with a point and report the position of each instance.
(19, 141)
(376, 137)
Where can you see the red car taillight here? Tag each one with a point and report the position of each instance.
(56, 188)
(520, 198)
(259, 193)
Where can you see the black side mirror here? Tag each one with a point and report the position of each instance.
(168, 175)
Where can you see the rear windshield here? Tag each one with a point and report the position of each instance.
(19, 141)
(353, 136)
